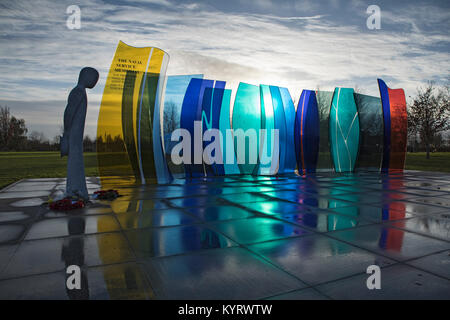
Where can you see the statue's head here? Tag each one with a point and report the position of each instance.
(88, 77)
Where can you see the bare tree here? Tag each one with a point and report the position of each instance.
(429, 113)
(12, 131)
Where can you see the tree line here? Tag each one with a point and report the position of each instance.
(428, 127)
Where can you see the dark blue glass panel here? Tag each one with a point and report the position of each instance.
(307, 130)
(212, 103)
(387, 124)
(191, 111)
(289, 114)
(280, 124)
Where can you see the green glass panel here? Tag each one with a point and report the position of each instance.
(371, 133)
(324, 99)
(344, 130)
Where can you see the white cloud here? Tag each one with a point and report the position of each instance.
(40, 57)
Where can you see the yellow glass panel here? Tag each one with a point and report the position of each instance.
(119, 118)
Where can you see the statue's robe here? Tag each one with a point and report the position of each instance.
(74, 120)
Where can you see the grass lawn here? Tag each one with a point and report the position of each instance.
(18, 165)
(439, 161)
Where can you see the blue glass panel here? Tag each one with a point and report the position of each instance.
(307, 127)
(230, 166)
(280, 124)
(191, 111)
(267, 165)
(387, 123)
(247, 115)
(344, 130)
(176, 87)
(289, 113)
(212, 103)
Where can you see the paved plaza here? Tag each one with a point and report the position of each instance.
(237, 237)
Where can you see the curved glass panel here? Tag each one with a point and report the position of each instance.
(307, 127)
(212, 103)
(156, 74)
(227, 144)
(289, 113)
(176, 87)
(371, 133)
(247, 115)
(280, 125)
(267, 165)
(344, 130)
(190, 113)
(395, 127)
(324, 99)
(125, 134)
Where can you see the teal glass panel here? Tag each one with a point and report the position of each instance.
(371, 133)
(344, 130)
(176, 87)
(289, 113)
(247, 115)
(324, 99)
(230, 165)
(267, 164)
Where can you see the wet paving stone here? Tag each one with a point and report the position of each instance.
(155, 242)
(8, 216)
(303, 294)
(238, 273)
(234, 237)
(6, 253)
(219, 213)
(246, 231)
(317, 259)
(49, 255)
(119, 282)
(429, 226)
(72, 225)
(155, 218)
(391, 242)
(323, 221)
(438, 263)
(11, 233)
(398, 282)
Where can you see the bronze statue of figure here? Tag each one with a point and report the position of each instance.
(72, 140)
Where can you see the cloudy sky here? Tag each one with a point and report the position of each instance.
(296, 44)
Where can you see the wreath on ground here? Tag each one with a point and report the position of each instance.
(66, 204)
(106, 194)
(71, 203)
